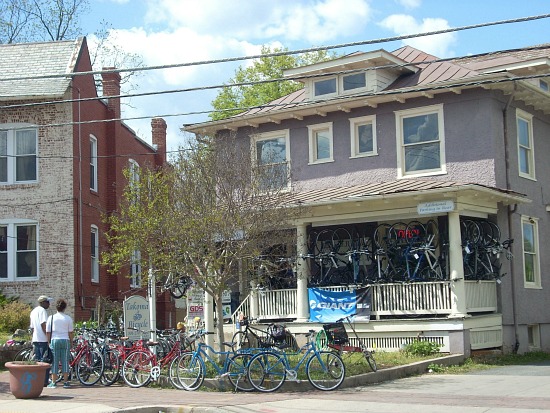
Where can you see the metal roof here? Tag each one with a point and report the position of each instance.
(396, 188)
(30, 61)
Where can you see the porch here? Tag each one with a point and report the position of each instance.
(400, 314)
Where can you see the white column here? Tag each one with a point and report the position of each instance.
(302, 273)
(151, 291)
(456, 268)
(254, 301)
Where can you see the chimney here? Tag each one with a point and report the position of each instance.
(158, 132)
(111, 87)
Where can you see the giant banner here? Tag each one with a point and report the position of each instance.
(330, 306)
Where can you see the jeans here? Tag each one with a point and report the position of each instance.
(40, 349)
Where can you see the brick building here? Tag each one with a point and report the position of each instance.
(63, 151)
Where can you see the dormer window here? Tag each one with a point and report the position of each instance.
(354, 81)
(325, 87)
(543, 85)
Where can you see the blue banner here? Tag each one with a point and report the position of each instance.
(329, 306)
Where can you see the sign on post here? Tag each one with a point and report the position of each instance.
(137, 318)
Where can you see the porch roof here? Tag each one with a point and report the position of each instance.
(404, 188)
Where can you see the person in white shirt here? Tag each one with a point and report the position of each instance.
(59, 330)
(38, 317)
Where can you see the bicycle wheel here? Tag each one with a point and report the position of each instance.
(397, 234)
(267, 372)
(89, 367)
(341, 241)
(370, 359)
(323, 243)
(179, 287)
(381, 236)
(136, 369)
(325, 370)
(237, 370)
(25, 354)
(432, 232)
(190, 371)
(242, 340)
(111, 372)
(415, 233)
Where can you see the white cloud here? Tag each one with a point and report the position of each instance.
(311, 21)
(438, 45)
(410, 4)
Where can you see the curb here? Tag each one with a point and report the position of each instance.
(380, 376)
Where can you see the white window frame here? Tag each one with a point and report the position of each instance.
(135, 269)
(533, 337)
(285, 134)
(94, 258)
(354, 124)
(93, 163)
(409, 113)
(11, 252)
(313, 131)
(527, 118)
(535, 253)
(11, 156)
(354, 90)
(325, 95)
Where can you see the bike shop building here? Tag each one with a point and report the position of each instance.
(375, 139)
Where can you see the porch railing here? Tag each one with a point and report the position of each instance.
(424, 298)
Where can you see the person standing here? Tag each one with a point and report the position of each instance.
(38, 317)
(59, 329)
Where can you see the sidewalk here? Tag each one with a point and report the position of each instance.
(511, 389)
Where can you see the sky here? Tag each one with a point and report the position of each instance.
(166, 32)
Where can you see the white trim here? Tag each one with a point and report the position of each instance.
(353, 90)
(353, 124)
(313, 131)
(400, 115)
(11, 250)
(527, 118)
(93, 163)
(536, 283)
(94, 260)
(283, 133)
(11, 130)
(535, 334)
(325, 95)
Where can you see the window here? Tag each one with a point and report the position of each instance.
(533, 337)
(273, 159)
(18, 250)
(324, 87)
(531, 265)
(320, 143)
(94, 246)
(93, 163)
(363, 136)
(355, 81)
(135, 270)
(420, 141)
(18, 150)
(543, 85)
(526, 160)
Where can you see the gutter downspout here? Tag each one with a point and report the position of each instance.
(80, 203)
(511, 211)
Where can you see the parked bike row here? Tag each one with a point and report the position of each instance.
(256, 359)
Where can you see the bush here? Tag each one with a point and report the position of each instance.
(422, 348)
(14, 315)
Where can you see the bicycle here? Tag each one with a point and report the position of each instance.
(191, 366)
(335, 336)
(177, 284)
(254, 337)
(141, 366)
(268, 370)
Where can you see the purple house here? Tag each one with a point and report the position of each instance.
(418, 173)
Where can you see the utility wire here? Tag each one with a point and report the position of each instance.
(283, 53)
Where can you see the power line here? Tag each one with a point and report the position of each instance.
(283, 53)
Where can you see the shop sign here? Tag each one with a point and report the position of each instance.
(435, 207)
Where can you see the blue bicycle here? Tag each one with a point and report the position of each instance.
(268, 370)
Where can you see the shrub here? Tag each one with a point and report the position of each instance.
(14, 315)
(422, 348)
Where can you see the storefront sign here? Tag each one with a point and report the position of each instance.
(137, 319)
(435, 207)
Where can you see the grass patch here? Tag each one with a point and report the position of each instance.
(485, 362)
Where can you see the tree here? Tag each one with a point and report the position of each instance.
(204, 216)
(264, 68)
(40, 20)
